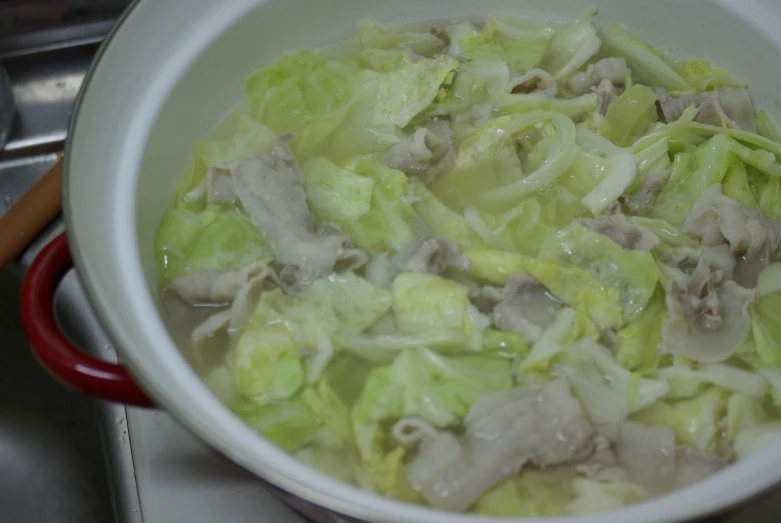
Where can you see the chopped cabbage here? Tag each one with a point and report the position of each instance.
(436, 388)
(250, 139)
(570, 48)
(579, 289)
(767, 193)
(619, 171)
(528, 224)
(394, 37)
(736, 185)
(568, 327)
(695, 421)
(271, 361)
(473, 163)
(229, 242)
(637, 343)
(632, 273)
(408, 90)
(766, 328)
(703, 77)
(188, 242)
(521, 49)
(691, 176)
(575, 108)
(289, 425)
(766, 128)
(383, 348)
(609, 490)
(304, 93)
(682, 381)
(488, 171)
(494, 266)
(607, 391)
(335, 194)
(773, 377)
(440, 220)
(630, 115)
(647, 67)
(326, 404)
(743, 413)
(751, 440)
(388, 222)
(175, 237)
(423, 303)
(732, 378)
(530, 495)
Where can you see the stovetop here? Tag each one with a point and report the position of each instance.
(159, 471)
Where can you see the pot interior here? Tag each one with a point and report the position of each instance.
(213, 83)
(201, 88)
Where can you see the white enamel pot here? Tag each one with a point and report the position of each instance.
(167, 74)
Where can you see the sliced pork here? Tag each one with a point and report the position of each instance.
(524, 305)
(536, 426)
(708, 315)
(272, 193)
(726, 105)
(238, 290)
(716, 219)
(425, 255)
(614, 70)
(418, 153)
(617, 227)
(643, 200)
(648, 454)
(606, 95)
(693, 466)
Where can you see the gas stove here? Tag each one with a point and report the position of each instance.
(159, 471)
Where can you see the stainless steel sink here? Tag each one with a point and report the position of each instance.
(54, 465)
(51, 449)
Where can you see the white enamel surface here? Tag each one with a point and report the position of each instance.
(175, 67)
(180, 480)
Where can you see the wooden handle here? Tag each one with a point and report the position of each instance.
(27, 218)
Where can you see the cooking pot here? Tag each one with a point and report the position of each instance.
(172, 69)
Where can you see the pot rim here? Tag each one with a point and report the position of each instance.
(741, 481)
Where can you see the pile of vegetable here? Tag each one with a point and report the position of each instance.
(520, 215)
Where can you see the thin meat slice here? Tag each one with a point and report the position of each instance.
(425, 255)
(524, 305)
(546, 425)
(217, 187)
(214, 287)
(617, 227)
(606, 95)
(708, 315)
(272, 193)
(238, 290)
(726, 105)
(614, 70)
(643, 200)
(540, 426)
(648, 454)
(716, 219)
(693, 466)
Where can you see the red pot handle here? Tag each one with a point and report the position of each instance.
(59, 356)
